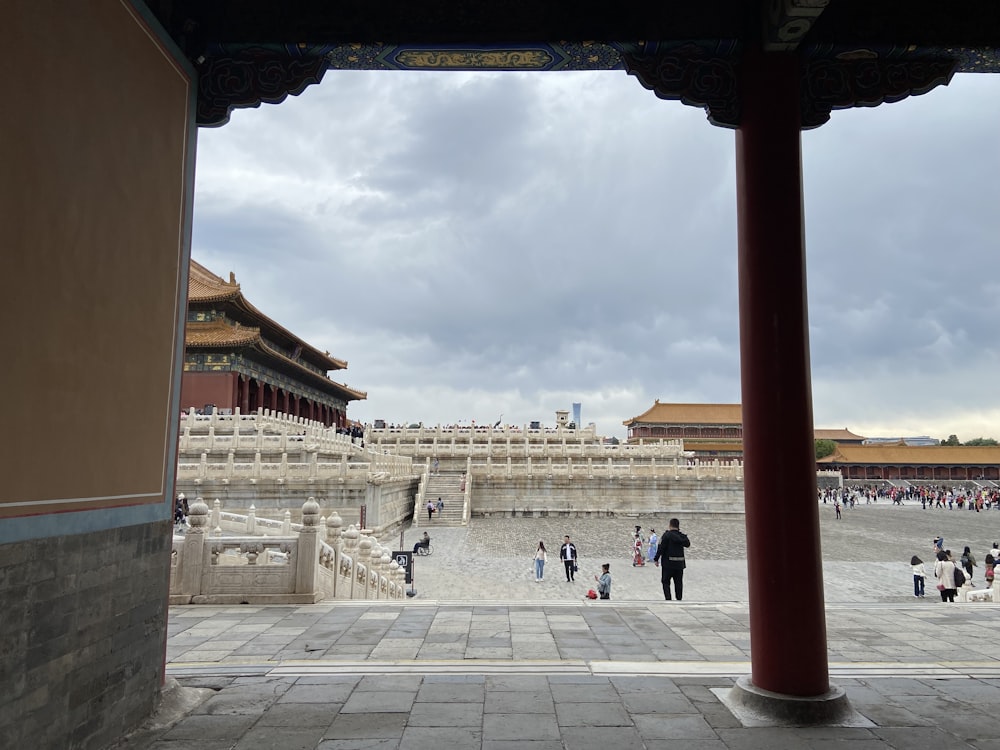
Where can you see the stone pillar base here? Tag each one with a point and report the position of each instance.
(755, 707)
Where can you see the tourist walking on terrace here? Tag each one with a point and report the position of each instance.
(430, 510)
(652, 545)
(944, 571)
(567, 553)
(671, 551)
(540, 562)
(919, 574)
(440, 507)
(968, 561)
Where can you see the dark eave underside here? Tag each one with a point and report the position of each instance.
(973, 23)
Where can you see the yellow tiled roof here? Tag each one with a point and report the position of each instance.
(690, 414)
(835, 435)
(219, 333)
(205, 287)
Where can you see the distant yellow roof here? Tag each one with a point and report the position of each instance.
(836, 435)
(939, 455)
(689, 414)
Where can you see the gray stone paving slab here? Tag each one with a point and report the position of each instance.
(520, 726)
(441, 738)
(283, 737)
(367, 726)
(524, 701)
(446, 715)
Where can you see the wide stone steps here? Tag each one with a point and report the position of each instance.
(448, 487)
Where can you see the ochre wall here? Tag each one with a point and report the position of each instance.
(94, 151)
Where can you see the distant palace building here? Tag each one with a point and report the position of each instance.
(237, 357)
(708, 430)
(902, 462)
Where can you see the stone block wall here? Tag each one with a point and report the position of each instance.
(82, 633)
(581, 497)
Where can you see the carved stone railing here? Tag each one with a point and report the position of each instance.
(442, 434)
(522, 449)
(610, 468)
(315, 468)
(289, 569)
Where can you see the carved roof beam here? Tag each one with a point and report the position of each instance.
(786, 22)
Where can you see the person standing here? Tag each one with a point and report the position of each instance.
(540, 557)
(430, 510)
(604, 582)
(968, 561)
(944, 570)
(652, 545)
(919, 573)
(568, 554)
(637, 559)
(440, 507)
(671, 551)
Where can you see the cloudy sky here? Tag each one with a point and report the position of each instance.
(486, 244)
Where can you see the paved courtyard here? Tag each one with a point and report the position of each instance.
(484, 657)
(866, 555)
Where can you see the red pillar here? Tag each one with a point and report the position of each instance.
(787, 630)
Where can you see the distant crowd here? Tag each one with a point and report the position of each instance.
(960, 498)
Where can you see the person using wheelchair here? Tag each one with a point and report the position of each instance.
(424, 542)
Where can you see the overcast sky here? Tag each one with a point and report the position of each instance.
(503, 243)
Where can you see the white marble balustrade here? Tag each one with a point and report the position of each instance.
(299, 566)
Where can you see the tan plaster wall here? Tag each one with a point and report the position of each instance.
(92, 209)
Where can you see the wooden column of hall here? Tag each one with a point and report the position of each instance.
(787, 630)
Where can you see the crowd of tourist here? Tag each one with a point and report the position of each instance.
(975, 498)
(952, 574)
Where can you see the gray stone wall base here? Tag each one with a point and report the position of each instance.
(82, 635)
(583, 497)
(252, 599)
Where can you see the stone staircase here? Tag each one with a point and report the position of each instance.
(448, 486)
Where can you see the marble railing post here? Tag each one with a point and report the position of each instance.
(363, 560)
(192, 555)
(350, 548)
(375, 567)
(307, 558)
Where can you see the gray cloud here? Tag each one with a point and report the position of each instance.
(478, 244)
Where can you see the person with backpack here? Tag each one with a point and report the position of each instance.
(968, 561)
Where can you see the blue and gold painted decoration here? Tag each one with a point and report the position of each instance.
(697, 72)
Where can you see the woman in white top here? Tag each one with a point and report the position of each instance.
(919, 574)
(944, 571)
(540, 562)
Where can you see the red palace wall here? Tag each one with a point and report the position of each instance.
(200, 388)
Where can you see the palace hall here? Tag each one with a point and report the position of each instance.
(235, 357)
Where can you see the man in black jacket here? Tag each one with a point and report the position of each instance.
(671, 551)
(567, 553)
